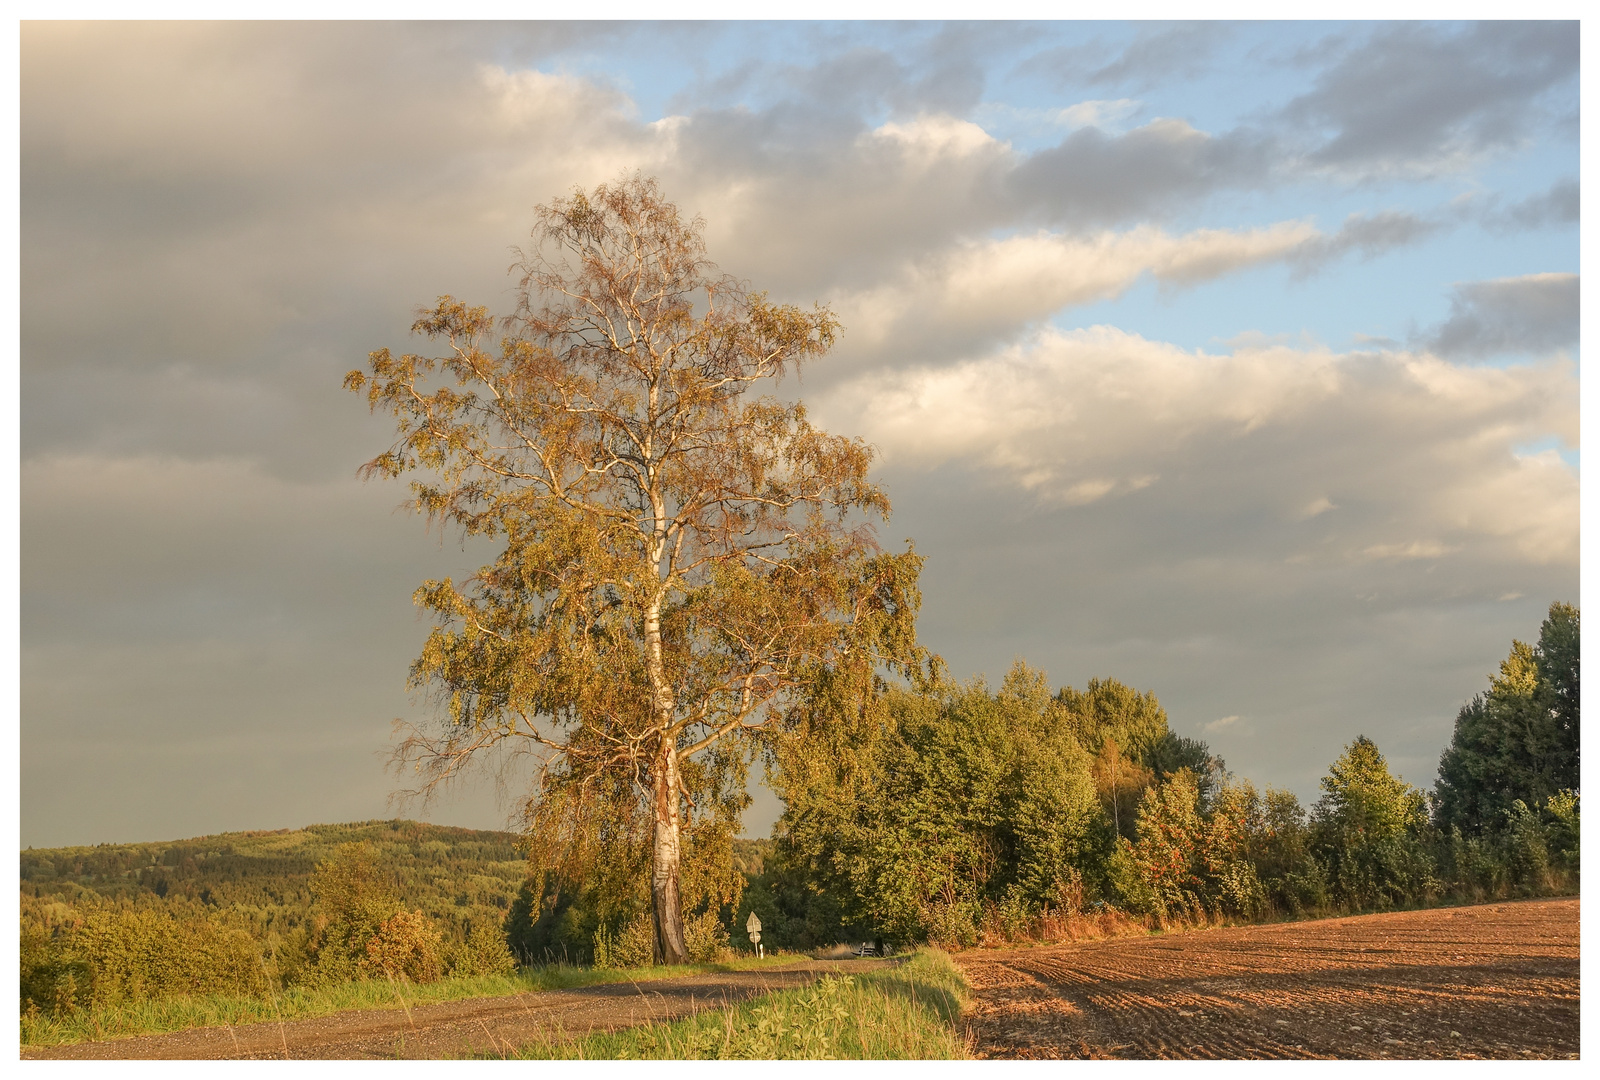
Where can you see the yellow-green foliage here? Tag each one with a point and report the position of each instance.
(235, 913)
(114, 955)
(405, 947)
(485, 952)
(633, 946)
(910, 1012)
(362, 930)
(457, 877)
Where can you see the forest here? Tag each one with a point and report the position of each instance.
(950, 813)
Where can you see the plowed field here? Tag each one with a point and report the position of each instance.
(1493, 981)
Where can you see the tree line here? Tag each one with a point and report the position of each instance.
(965, 814)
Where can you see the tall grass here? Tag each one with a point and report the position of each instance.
(909, 1012)
(151, 1017)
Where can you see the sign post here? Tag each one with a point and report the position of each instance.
(752, 926)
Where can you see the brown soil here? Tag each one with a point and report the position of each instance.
(460, 1028)
(1492, 981)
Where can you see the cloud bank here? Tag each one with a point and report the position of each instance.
(1190, 361)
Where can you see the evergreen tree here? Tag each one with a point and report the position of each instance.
(1518, 741)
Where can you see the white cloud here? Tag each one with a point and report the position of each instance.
(1417, 549)
(930, 141)
(1096, 113)
(980, 289)
(1218, 725)
(1417, 455)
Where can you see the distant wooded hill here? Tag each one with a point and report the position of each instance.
(456, 876)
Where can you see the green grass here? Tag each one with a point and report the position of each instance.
(908, 1012)
(299, 1003)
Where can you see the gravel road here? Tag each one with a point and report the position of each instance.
(457, 1028)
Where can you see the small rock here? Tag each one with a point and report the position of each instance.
(1455, 1034)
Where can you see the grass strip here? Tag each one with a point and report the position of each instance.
(908, 1012)
(159, 1016)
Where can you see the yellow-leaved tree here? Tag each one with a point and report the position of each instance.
(680, 558)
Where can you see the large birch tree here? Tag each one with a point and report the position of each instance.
(680, 557)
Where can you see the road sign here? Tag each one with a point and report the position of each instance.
(752, 924)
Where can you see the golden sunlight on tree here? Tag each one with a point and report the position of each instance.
(679, 555)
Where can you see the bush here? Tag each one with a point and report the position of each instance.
(52, 977)
(632, 945)
(951, 924)
(405, 946)
(484, 952)
(1562, 808)
(1527, 853)
(707, 939)
(117, 955)
(364, 932)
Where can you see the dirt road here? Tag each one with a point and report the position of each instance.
(456, 1028)
(1494, 981)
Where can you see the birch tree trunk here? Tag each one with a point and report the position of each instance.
(666, 856)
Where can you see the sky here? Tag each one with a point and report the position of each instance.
(1238, 362)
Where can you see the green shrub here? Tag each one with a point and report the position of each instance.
(52, 977)
(484, 952)
(632, 945)
(114, 955)
(1562, 808)
(951, 923)
(706, 938)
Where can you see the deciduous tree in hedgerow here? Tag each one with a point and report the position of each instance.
(1367, 829)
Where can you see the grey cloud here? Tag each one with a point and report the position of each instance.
(1162, 52)
(200, 637)
(1559, 205)
(950, 73)
(1407, 457)
(916, 71)
(1159, 51)
(1064, 66)
(1369, 235)
(1421, 97)
(1209, 615)
(856, 79)
(1094, 178)
(293, 191)
(1524, 315)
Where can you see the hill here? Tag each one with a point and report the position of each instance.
(456, 876)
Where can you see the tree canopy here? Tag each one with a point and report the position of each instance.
(1519, 740)
(678, 555)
